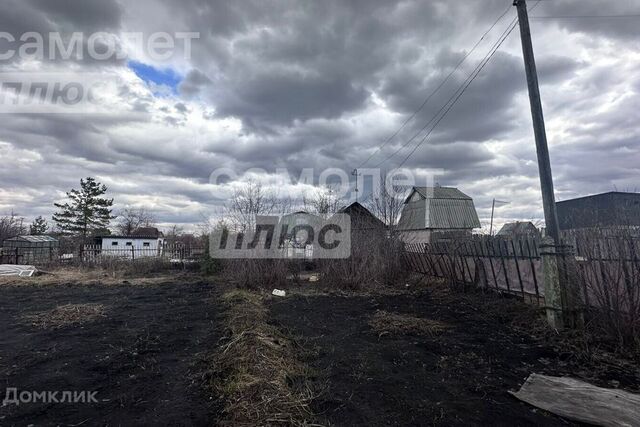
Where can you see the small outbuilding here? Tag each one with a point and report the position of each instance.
(31, 249)
(361, 218)
(143, 242)
(436, 213)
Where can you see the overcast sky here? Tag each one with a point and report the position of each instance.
(300, 84)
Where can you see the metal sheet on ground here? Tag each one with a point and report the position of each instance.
(580, 401)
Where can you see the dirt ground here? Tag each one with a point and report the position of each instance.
(138, 352)
(460, 376)
(142, 345)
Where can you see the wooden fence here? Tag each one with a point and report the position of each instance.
(605, 268)
(503, 265)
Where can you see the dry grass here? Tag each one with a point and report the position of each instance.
(385, 323)
(66, 315)
(258, 371)
(81, 276)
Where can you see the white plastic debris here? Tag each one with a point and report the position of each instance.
(279, 293)
(314, 278)
(17, 270)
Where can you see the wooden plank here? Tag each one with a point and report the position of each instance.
(580, 401)
(515, 259)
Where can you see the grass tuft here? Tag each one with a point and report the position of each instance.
(66, 315)
(385, 323)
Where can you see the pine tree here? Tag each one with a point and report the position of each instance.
(87, 211)
(38, 227)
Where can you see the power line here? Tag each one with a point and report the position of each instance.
(465, 85)
(458, 96)
(424, 103)
(584, 16)
(461, 87)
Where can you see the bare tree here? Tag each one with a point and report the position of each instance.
(249, 201)
(131, 219)
(11, 225)
(387, 202)
(323, 202)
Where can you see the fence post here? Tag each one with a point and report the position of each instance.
(133, 253)
(551, 281)
(562, 305)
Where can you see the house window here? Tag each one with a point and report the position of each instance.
(114, 243)
(146, 244)
(129, 243)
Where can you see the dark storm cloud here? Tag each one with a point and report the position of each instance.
(81, 15)
(322, 84)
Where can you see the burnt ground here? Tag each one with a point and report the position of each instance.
(139, 357)
(461, 377)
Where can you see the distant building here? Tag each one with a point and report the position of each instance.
(31, 249)
(296, 246)
(143, 242)
(361, 218)
(603, 211)
(519, 229)
(436, 213)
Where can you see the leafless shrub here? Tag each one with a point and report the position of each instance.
(376, 260)
(256, 273)
(11, 225)
(131, 219)
(387, 202)
(607, 269)
(323, 202)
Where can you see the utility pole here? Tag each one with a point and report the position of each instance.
(356, 174)
(544, 164)
(561, 295)
(493, 209)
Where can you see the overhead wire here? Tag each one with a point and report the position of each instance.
(428, 98)
(458, 94)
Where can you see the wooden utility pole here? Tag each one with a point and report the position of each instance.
(562, 297)
(493, 209)
(544, 164)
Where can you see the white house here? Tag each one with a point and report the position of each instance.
(144, 242)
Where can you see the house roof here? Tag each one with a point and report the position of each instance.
(518, 227)
(33, 239)
(600, 210)
(438, 193)
(115, 236)
(147, 231)
(438, 208)
(361, 217)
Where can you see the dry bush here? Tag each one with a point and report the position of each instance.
(256, 273)
(375, 260)
(66, 315)
(608, 273)
(258, 371)
(385, 323)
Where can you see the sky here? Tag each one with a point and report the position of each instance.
(295, 85)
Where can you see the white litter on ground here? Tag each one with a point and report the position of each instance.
(17, 270)
(279, 293)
